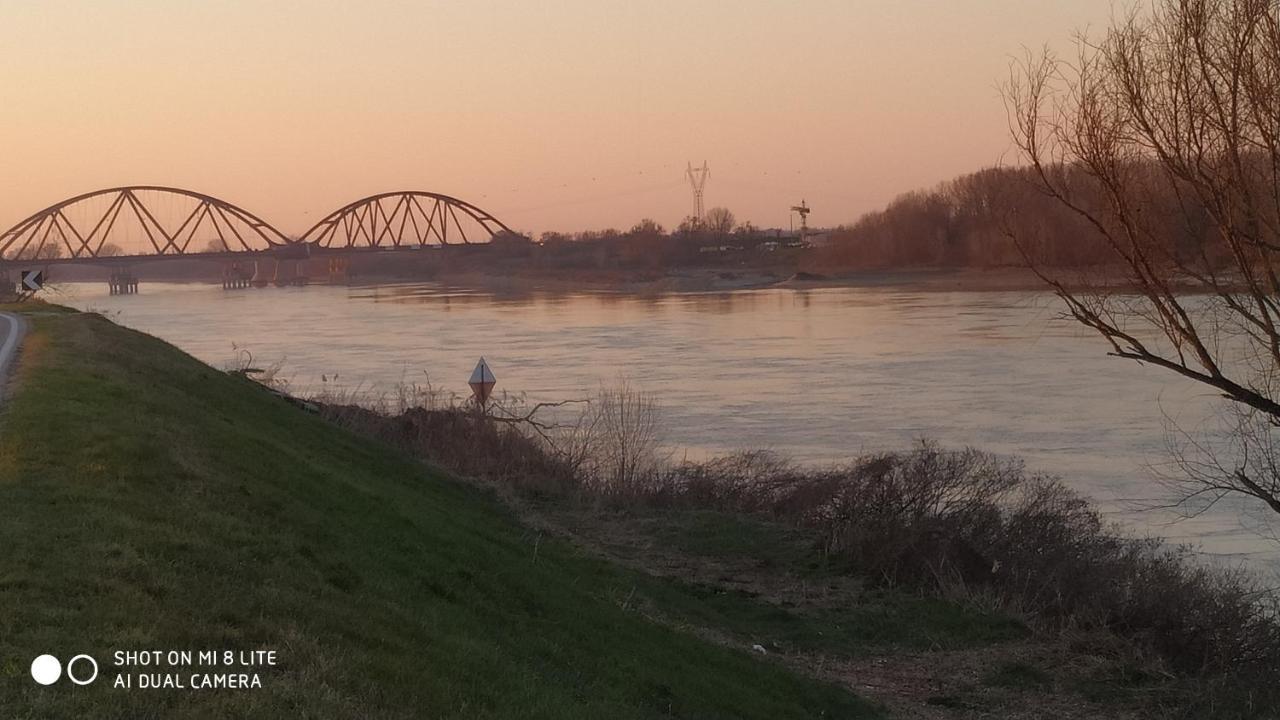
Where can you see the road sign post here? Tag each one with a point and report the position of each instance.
(482, 382)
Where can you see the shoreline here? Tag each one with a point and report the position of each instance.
(700, 280)
(729, 280)
(695, 280)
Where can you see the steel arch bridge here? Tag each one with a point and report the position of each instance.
(152, 222)
(93, 225)
(406, 218)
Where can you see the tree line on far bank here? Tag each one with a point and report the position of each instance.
(718, 238)
(972, 221)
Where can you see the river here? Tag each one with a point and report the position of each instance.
(818, 375)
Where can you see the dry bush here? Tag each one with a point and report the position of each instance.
(454, 434)
(928, 518)
(619, 443)
(935, 519)
(610, 449)
(1060, 559)
(903, 517)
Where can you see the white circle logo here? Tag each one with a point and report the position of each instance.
(77, 680)
(46, 669)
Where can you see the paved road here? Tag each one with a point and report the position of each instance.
(12, 328)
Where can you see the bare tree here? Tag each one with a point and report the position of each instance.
(690, 226)
(624, 450)
(44, 250)
(216, 245)
(110, 250)
(1169, 127)
(648, 227)
(719, 221)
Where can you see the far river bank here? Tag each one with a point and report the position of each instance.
(1006, 279)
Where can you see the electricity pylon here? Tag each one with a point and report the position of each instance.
(698, 181)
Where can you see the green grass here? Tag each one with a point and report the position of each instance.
(878, 621)
(716, 535)
(151, 502)
(855, 621)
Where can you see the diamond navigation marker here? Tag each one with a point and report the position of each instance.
(32, 280)
(482, 382)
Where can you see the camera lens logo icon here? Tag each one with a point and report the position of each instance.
(46, 670)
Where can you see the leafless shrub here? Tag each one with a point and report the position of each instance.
(268, 375)
(743, 482)
(611, 448)
(940, 519)
(944, 521)
(620, 442)
(453, 433)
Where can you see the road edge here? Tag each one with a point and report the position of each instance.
(9, 348)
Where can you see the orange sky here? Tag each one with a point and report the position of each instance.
(555, 115)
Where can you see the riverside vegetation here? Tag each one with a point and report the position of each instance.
(1042, 606)
(572, 571)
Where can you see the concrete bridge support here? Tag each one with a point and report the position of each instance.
(290, 272)
(123, 282)
(264, 271)
(235, 276)
(339, 269)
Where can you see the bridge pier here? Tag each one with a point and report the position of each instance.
(261, 278)
(339, 270)
(235, 277)
(288, 272)
(123, 282)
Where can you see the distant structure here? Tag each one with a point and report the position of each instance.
(698, 181)
(803, 210)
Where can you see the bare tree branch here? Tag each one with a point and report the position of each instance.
(1163, 136)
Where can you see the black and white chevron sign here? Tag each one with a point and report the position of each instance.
(32, 280)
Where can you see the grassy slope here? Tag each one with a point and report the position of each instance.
(151, 502)
(780, 591)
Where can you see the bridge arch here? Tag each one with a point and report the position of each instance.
(405, 218)
(138, 221)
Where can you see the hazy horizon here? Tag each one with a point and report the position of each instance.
(572, 115)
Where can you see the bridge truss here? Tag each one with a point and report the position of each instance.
(152, 222)
(404, 219)
(139, 220)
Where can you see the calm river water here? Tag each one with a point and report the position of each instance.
(818, 375)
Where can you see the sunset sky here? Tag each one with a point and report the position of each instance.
(555, 115)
